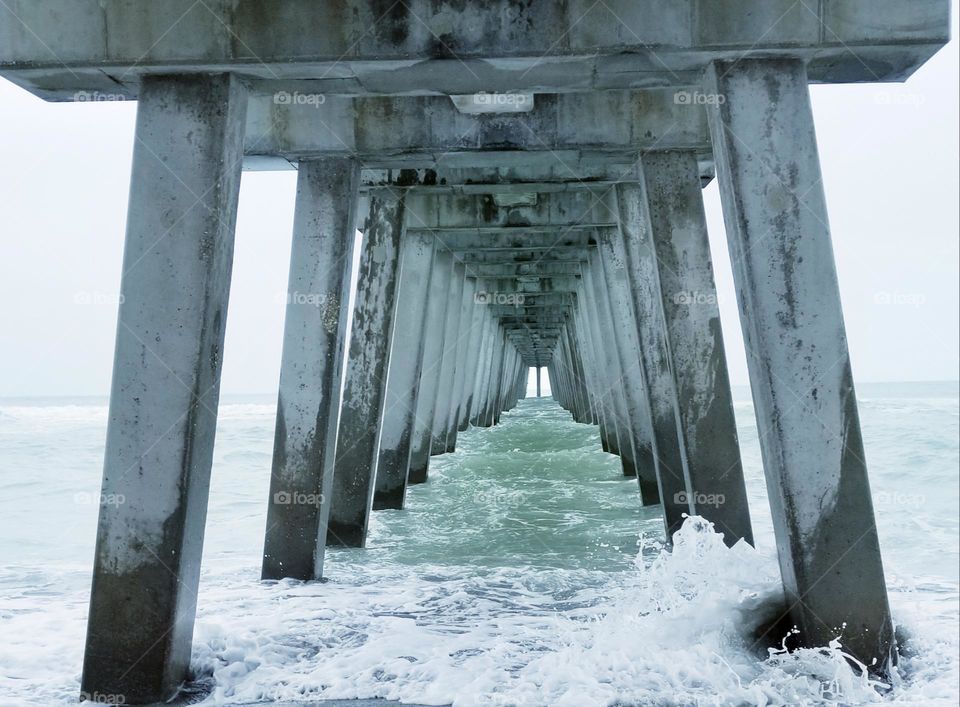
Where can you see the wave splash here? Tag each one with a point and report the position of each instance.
(677, 630)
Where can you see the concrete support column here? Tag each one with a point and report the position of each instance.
(448, 363)
(605, 380)
(469, 335)
(499, 384)
(562, 369)
(624, 330)
(519, 370)
(577, 375)
(406, 363)
(655, 354)
(614, 379)
(509, 379)
(312, 364)
(475, 343)
(468, 289)
(538, 381)
(556, 380)
(486, 373)
(430, 370)
(483, 368)
(708, 428)
(588, 359)
(490, 414)
(166, 384)
(364, 391)
(776, 217)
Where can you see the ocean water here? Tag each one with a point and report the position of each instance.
(524, 573)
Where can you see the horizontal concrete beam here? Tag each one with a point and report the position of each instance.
(585, 170)
(535, 312)
(546, 299)
(57, 47)
(531, 272)
(589, 207)
(559, 285)
(506, 240)
(533, 323)
(523, 255)
(411, 131)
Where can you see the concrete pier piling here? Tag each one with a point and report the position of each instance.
(437, 306)
(178, 254)
(640, 258)
(797, 356)
(448, 363)
(565, 232)
(406, 367)
(612, 258)
(314, 346)
(364, 390)
(707, 429)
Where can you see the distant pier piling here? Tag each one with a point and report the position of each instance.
(541, 210)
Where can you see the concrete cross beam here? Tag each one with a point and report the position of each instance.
(534, 299)
(590, 207)
(558, 272)
(586, 169)
(423, 131)
(523, 255)
(560, 285)
(536, 315)
(505, 240)
(57, 47)
(528, 324)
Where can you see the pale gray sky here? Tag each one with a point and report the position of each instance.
(890, 162)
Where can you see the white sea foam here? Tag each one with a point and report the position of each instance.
(673, 631)
(527, 577)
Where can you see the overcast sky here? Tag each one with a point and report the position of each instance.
(890, 163)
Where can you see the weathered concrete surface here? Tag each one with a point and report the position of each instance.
(431, 46)
(588, 358)
(166, 384)
(364, 390)
(603, 366)
(490, 413)
(578, 374)
(430, 371)
(790, 311)
(448, 363)
(708, 429)
(597, 297)
(652, 336)
(483, 367)
(613, 260)
(464, 333)
(472, 214)
(473, 345)
(406, 364)
(314, 340)
(428, 131)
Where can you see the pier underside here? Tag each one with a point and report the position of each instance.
(527, 178)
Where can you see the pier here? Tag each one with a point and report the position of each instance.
(527, 179)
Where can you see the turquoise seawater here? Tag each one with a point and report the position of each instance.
(524, 572)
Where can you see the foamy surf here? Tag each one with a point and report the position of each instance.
(524, 573)
(676, 630)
